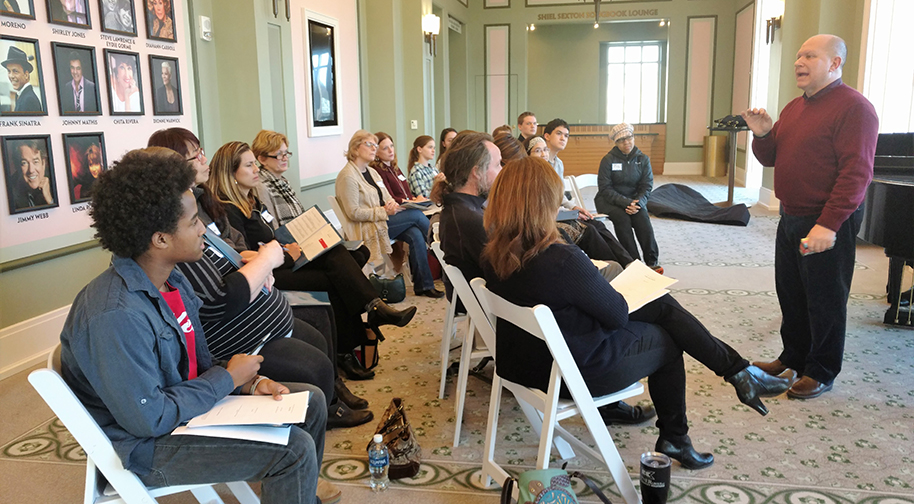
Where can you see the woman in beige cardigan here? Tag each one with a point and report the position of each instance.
(375, 217)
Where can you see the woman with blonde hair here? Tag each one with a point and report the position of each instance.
(422, 175)
(233, 181)
(527, 263)
(375, 217)
(272, 152)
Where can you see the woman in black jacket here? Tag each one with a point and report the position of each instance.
(526, 262)
(624, 183)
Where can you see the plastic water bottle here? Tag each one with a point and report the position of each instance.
(378, 463)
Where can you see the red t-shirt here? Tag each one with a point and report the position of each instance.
(173, 298)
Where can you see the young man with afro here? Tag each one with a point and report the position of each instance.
(134, 352)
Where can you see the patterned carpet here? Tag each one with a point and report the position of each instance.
(852, 445)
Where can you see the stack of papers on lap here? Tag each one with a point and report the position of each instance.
(256, 418)
(640, 285)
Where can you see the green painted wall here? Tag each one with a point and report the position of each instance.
(578, 97)
(36, 289)
(563, 71)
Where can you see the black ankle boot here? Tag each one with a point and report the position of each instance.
(752, 383)
(380, 313)
(349, 366)
(349, 399)
(684, 453)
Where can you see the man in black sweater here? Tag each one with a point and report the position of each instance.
(470, 166)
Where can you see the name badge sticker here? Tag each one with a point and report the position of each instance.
(402, 177)
(617, 167)
(380, 183)
(214, 228)
(266, 216)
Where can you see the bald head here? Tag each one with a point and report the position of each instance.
(819, 62)
(833, 45)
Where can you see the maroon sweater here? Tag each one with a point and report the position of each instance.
(822, 149)
(398, 188)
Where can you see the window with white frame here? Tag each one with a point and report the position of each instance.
(888, 80)
(632, 81)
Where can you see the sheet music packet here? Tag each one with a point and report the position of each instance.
(255, 418)
(639, 284)
(313, 233)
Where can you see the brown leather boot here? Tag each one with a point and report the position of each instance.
(773, 368)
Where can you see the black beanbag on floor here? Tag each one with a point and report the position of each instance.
(682, 202)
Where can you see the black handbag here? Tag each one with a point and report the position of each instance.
(390, 290)
(403, 449)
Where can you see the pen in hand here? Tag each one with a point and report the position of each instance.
(262, 343)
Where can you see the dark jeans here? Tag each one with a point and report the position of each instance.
(624, 223)
(288, 472)
(303, 358)
(665, 330)
(411, 226)
(813, 292)
(337, 272)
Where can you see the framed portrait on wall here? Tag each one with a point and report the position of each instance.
(321, 50)
(118, 16)
(160, 20)
(76, 74)
(125, 88)
(86, 160)
(166, 86)
(17, 8)
(69, 13)
(29, 170)
(22, 78)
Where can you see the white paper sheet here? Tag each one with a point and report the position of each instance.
(640, 285)
(255, 410)
(262, 433)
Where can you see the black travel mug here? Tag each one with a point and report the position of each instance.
(655, 478)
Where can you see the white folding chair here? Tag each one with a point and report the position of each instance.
(334, 220)
(572, 190)
(102, 462)
(586, 188)
(540, 322)
(470, 349)
(451, 321)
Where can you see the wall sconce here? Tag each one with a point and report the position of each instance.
(772, 25)
(431, 25)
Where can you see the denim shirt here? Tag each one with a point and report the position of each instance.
(123, 354)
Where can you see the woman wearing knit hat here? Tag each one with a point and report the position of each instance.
(624, 183)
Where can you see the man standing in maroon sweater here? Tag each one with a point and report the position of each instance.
(822, 149)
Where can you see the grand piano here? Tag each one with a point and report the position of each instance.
(888, 219)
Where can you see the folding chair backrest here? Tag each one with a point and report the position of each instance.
(480, 320)
(539, 322)
(587, 190)
(64, 403)
(341, 216)
(571, 189)
(334, 220)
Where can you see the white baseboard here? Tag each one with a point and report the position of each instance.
(29, 342)
(767, 199)
(696, 168)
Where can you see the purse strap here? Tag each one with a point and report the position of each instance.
(592, 486)
(507, 489)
